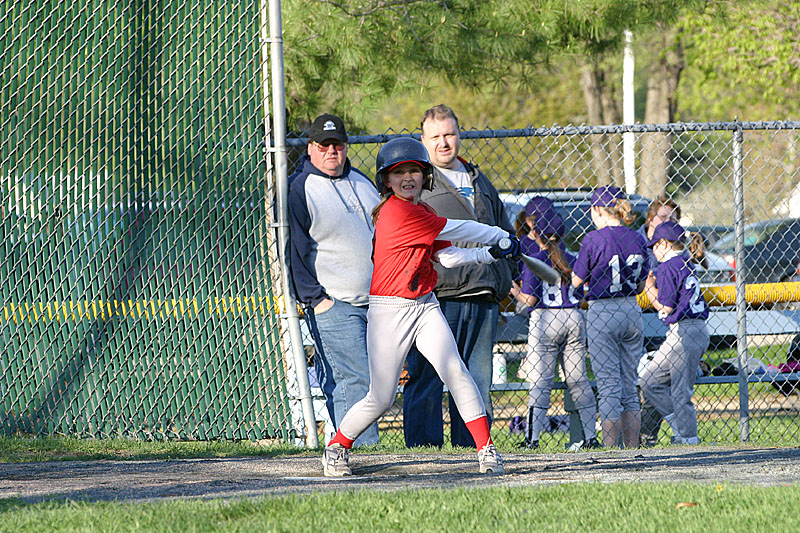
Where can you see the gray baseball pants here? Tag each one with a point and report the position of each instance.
(553, 333)
(394, 325)
(668, 380)
(616, 342)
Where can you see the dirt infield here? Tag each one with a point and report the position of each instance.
(248, 477)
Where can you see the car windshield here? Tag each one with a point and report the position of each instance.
(753, 234)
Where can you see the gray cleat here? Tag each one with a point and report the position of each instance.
(336, 461)
(489, 460)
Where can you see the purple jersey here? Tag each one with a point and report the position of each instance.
(612, 262)
(529, 246)
(549, 296)
(679, 289)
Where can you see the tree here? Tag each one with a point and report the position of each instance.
(603, 107)
(345, 56)
(746, 63)
(661, 47)
(661, 105)
(744, 53)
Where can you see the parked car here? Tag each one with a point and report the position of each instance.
(717, 270)
(771, 250)
(573, 206)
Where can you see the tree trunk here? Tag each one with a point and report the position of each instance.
(601, 109)
(662, 83)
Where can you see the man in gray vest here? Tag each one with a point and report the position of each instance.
(468, 295)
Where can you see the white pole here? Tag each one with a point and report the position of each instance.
(628, 139)
(281, 184)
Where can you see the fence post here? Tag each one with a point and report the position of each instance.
(741, 302)
(290, 312)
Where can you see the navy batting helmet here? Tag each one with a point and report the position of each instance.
(403, 150)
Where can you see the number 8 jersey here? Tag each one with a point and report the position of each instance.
(613, 262)
(560, 295)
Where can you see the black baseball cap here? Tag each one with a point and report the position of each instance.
(327, 127)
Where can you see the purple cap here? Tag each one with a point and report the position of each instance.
(539, 206)
(670, 230)
(606, 196)
(552, 224)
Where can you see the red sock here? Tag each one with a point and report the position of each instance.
(479, 429)
(341, 439)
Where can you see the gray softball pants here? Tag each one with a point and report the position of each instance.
(668, 380)
(553, 333)
(394, 324)
(616, 343)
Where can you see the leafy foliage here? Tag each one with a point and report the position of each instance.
(746, 55)
(345, 56)
(555, 97)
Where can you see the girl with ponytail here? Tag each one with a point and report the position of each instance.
(556, 332)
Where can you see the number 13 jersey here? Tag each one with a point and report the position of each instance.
(612, 262)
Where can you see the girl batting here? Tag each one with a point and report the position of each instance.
(555, 332)
(402, 307)
(612, 263)
(667, 380)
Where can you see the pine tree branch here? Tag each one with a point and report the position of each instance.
(373, 7)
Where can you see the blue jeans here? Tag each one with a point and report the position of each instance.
(340, 360)
(473, 322)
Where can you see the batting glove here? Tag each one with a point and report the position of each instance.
(507, 247)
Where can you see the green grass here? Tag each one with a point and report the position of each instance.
(718, 406)
(774, 354)
(28, 449)
(775, 431)
(770, 431)
(574, 507)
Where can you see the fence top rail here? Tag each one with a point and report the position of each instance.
(556, 130)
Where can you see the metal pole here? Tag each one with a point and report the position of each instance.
(281, 184)
(628, 112)
(741, 302)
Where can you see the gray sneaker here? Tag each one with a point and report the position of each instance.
(691, 441)
(336, 461)
(583, 445)
(489, 460)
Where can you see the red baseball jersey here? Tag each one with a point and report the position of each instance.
(405, 239)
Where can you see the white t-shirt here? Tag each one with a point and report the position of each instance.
(461, 180)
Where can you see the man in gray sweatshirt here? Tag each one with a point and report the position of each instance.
(331, 248)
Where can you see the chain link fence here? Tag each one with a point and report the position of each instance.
(699, 166)
(138, 255)
(135, 290)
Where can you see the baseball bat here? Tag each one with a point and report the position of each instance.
(541, 270)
